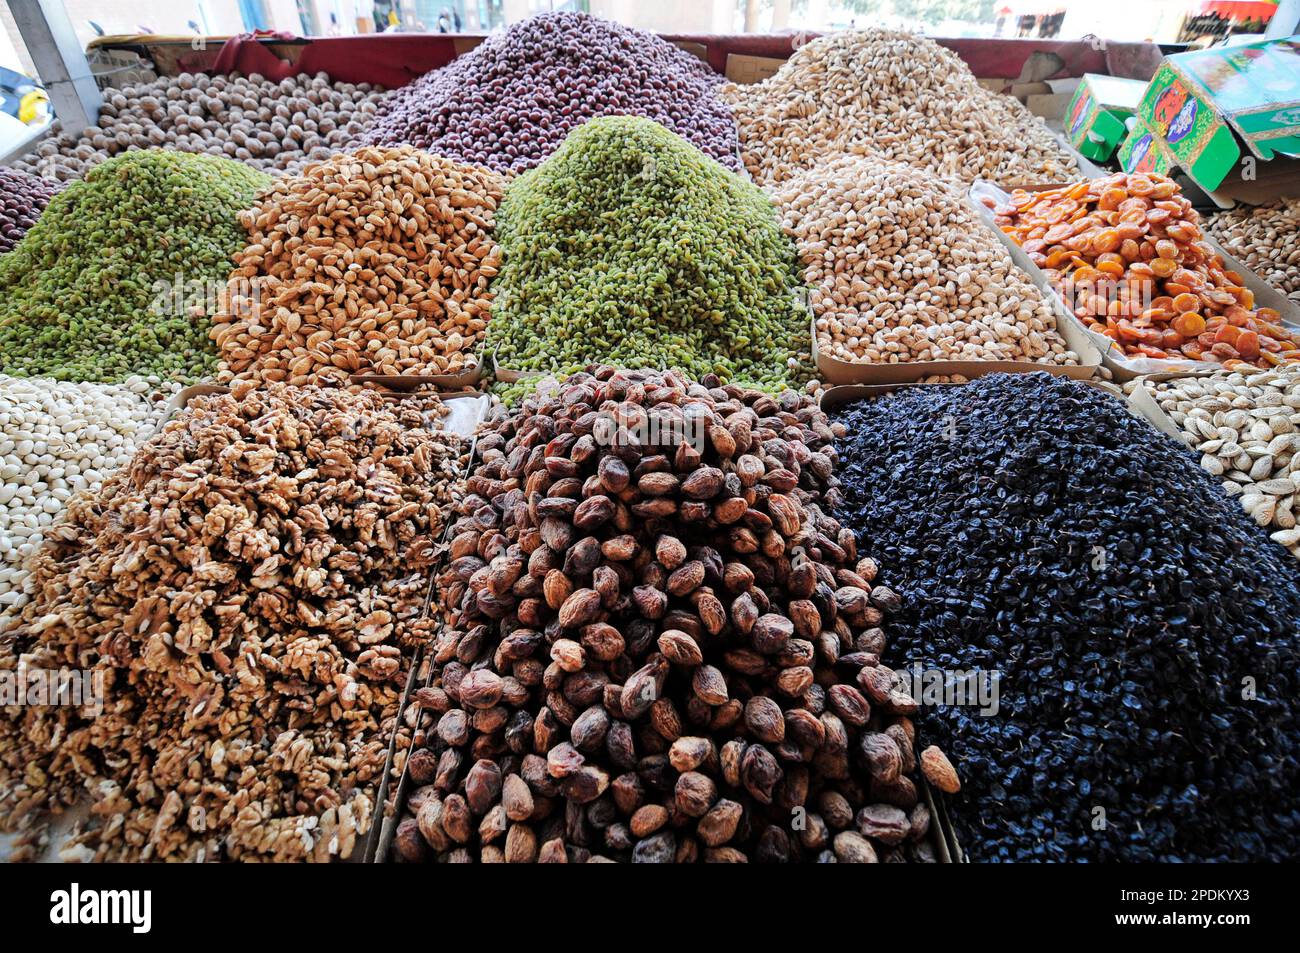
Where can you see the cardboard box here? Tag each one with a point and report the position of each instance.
(1077, 339)
(1094, 121)
(1143, 151)
(695, 49)
(742, 68)
(836, 372)
(1048, 106)
(1141, 403)
(1216, 110)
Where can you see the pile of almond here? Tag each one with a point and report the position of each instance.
(375, 262)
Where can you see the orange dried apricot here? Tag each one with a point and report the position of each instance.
(1189, 324)
(1106, 240)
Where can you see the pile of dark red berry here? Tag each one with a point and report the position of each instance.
(509, 102)
(22, 199)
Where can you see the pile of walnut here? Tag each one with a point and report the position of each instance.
(660, 648)
(249, 588)
(374, 262)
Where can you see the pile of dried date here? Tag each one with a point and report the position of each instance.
(246, 594)
(659, 648)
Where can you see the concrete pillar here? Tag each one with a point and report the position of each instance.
(1286, 22)
(59, 60)
(780, 15)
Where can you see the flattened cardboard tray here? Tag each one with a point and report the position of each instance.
(507, 375)
(1147, 407)
(402, 383)
(1123, 367)
(834, 371)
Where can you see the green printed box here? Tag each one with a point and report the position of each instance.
(1143, 151)
(1095, 120)
(1213, 107)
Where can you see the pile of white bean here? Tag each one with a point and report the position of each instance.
(57, 439)
(1246, 428)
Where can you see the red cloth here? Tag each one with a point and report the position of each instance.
(394, 59)
(1241, 9)
(386, 59)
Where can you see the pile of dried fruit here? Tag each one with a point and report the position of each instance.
(269, 125)
(897, 95)
(1264, 239)
(22, 199)
(113, 279)
(1128, 255)
(630, 246)
(249, 588)
(660, 648)
(1245, 429)
(1143, 627)
(902, 269)
(57, 439)
(375, 262)
(510, 102)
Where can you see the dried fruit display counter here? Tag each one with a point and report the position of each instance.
(660, 607)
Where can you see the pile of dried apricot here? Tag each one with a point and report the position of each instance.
(1128, 255)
